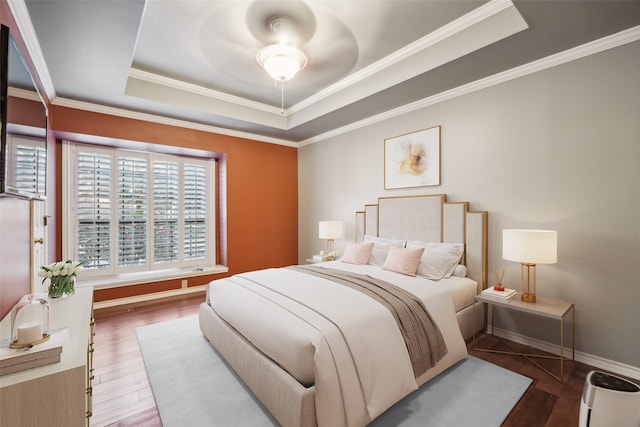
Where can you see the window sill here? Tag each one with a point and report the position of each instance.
(147, 277)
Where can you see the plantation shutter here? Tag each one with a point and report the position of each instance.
(94, 209)
(195, 211)
(132, 211)
(166, 206)
(30, 165)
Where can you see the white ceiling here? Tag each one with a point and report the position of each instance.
(195, 61)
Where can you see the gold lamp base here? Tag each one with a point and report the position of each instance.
(526, 297)
(528, 279)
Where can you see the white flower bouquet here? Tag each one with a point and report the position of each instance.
(61, 276)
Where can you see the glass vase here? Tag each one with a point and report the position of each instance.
(61, 286)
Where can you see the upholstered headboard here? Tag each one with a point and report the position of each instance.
(430, 218)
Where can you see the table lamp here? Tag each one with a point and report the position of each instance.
(330, 230)
(530, 247)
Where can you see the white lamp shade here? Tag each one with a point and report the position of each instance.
(330, 230)
(530, 246)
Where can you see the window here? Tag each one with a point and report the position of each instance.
(27, 164)
(131, 211)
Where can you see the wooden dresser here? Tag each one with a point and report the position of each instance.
(58, 394)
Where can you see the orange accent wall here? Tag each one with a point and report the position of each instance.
(26, 112)
(261, 190)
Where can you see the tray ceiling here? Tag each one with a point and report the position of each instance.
(195, 61)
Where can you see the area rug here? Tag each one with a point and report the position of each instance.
(193, 386)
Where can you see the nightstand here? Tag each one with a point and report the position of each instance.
(312, 261)
(544, 307)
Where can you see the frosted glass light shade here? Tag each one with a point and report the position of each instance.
(330, 230)
(281, 67)
(530, 246)
(282, 62)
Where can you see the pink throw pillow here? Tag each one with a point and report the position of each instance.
(403, 260)
(357, 253)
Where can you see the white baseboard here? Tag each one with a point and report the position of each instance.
(589, 359)
(149, 297)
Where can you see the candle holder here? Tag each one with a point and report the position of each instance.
(29, 322)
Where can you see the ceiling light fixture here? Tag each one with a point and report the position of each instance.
(281, 60)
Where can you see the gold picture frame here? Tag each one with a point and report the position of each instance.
(412, 159)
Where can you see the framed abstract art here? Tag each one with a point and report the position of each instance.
(412, 159)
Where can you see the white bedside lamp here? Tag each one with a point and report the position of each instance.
(330, 230)
(530, 247)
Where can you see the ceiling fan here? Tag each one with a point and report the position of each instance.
(282, 60)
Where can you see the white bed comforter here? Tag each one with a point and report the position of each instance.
(361, 364)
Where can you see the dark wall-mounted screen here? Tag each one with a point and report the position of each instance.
(23, 147)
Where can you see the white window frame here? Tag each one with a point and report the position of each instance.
(150, 271)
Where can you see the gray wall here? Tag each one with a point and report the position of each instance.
(558, 149)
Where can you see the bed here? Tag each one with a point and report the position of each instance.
(317, 352)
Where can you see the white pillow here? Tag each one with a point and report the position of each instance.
(381, 248)
(357, 253)
(439, 260)
(460, 271)
(403, 260)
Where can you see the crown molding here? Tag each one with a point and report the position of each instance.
(609, 42)
(24, 94)
(483, 26)
(474, 17)
(23, 21)
(153, 118)
(615, 40)
(157, 79)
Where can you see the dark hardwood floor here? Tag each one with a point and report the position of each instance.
(122, 395)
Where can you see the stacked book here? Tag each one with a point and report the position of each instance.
(19, 359)
(505, 294)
